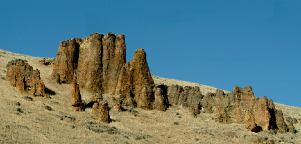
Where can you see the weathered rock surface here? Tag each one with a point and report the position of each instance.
(135, 83)
(101, 111)
(98, 60)
(241, 106)
(100, 63)
(186, 96)
(76, 99)
(114, 59)
(66, 61)
(161, 100)
(22, 76)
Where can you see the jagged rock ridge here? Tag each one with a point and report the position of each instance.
(239, 106)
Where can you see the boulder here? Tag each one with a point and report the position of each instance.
(22, 76)
(101, 111)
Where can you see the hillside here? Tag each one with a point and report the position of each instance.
(26, 119)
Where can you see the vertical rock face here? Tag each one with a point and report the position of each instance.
(263, 111)
(135, 83)
(114, 58)
(281, 125)
(161, 100)
(90, 63)
(97, 59)
(22, 76)
(76, 99)
(66, 60)
(186, 96)
(100, 63)
(142, 80)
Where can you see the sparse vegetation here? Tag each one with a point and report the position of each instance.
(48, 108)
(28, 118)
(98, 128)
(27, 98)
(19, 110)
(176, 123)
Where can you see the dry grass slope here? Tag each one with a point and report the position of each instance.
(25, 119)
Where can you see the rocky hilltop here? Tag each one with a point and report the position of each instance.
(99, 61)
(102, 82)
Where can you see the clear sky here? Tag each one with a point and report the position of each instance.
(222, 43)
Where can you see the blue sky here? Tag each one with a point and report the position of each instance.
(214, 42)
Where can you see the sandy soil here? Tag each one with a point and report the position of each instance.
(25, 119)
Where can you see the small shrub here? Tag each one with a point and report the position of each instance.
(48, 108)
(176, 123)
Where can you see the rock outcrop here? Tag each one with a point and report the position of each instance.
(135, 83)
(66, 60)
(27, 80)
(241, 106)
(100, 63)
(186, 96)
(76, 99)
(101, 111)
(161, 100)
(97, 59)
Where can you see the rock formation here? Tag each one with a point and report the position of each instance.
(186, 96)
(100, 63)
(66, 60)
(22, 76)
(161, 101)
(136, 83)
(98, 60)
(241, 106)
(101, 111)
(76, 99)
